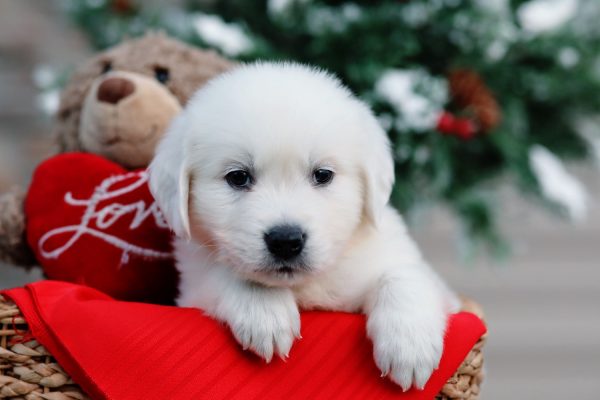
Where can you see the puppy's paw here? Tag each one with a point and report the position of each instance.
(406, 351)
(267, 323)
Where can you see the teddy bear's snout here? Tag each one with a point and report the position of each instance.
(113, 90)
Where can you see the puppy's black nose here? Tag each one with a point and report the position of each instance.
(285, 242)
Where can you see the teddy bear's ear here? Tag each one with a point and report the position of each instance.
(170, 179)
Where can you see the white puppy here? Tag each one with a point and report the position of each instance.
(278, 179)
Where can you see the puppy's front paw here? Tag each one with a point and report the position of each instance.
(406, 351)
(267, 323)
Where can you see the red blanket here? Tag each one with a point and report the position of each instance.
(120, 350)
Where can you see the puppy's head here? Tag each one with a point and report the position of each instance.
(274, 166)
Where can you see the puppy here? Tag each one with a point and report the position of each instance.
(277, 180)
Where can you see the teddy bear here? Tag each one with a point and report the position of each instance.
(117, 106)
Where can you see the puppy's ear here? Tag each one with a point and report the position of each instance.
(378, 171)
(170, 179)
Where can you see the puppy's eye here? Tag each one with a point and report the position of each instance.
(322, 176)
(239, 179)
(106, 67)
(161, 74)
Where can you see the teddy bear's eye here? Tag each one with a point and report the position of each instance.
(161, 74)
(106, 67)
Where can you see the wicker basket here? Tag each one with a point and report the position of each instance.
(28, 371)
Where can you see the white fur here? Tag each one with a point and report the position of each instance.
(282, 121)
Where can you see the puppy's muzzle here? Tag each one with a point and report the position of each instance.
(285, 242)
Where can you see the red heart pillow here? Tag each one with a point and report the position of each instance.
(89, 221)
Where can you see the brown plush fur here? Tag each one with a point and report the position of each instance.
(13, 247)
(189, 68)
(127, 131)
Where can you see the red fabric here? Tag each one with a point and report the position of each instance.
(123, 350)
(89, 221)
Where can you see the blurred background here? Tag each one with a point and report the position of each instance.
(492, 107)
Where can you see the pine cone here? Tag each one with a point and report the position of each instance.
(123, 6)
(470, 93)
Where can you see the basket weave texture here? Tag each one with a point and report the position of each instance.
(29, 372)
